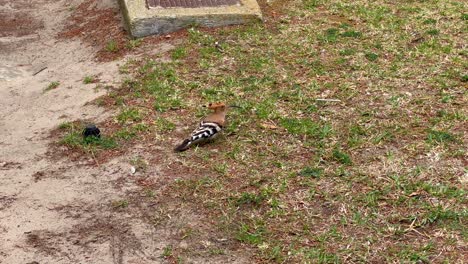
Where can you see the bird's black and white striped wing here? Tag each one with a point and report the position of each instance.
(206, 130)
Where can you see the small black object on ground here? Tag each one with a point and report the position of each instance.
(91, 131)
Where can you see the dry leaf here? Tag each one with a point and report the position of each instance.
(268, 126)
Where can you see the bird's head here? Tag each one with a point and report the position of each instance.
(219, 107)
(216, 106)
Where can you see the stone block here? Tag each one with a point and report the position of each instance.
(148, 17)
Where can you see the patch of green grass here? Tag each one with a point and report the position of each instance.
(217, 251)
(250, 198)
(160, 86)
(330, 35)
(372, 197)
(88, 79)
(150, 193)
(133, 43)
(129, 115)
(102, 142)
(318, 255)
(65, 125)
(444, 191)
(445, 116)
(273, 253)
(435, 136)
(164, 125)
(179, 53)
(298, 180)
(464, 78)
(351, 34)
(439, 214)
(125, 134)
(167, 251)
(120, 204)
(251, 234)
(130, 132)
(433, 32)
(384, 136)
(357, 135)
(112, 46)
(164, 104)
(341, 157)
(312, 4)
(311, 172)
(74, 139)
(371, 56)
(446, 98)
(306, 127)
(266, 109)
(221, 168)
(51, 86)
(141, 127)
(415, 256)
(347, 52)
(429, 21)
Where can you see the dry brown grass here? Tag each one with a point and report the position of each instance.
(378, 176)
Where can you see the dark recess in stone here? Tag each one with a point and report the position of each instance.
(191, 3)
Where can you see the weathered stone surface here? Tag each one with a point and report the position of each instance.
(190, 3)
(142, 20)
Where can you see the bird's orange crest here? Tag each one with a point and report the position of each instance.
(216, 105)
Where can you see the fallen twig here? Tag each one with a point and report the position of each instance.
(94, 158)
(36, 73)
(328, 100)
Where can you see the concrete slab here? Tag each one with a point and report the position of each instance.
(149, 17)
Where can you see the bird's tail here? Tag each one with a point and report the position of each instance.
(184, 146)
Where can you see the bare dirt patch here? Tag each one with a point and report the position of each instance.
(18, 25)
(100, 25)
(63, 205)
(31, 58)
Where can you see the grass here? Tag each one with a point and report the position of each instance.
(311, 172)
(376, 175)
(341, 157)
(179, 53)
(435, 136)
(89, 79)
(129, 115)
(133, 43)
(73, 138)
(120, 204)
(164, 125)
(112, 46)
(372, 56)
(51, 86)
(139, 163)
(167, 252)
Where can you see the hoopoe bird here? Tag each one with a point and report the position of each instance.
(209, 127)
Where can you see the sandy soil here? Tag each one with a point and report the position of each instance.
(56, 212)
(28, 206)
(59, 211)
